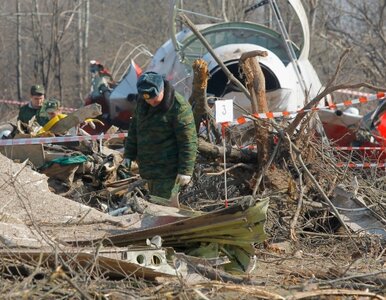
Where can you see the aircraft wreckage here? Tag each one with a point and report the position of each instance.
(136, 233)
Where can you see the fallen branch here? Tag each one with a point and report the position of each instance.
(59, 273)
(223, 67)
(354, 276)
(231, 168)
(300, 200)
(256, 292)
(330, 292)
(216, 151)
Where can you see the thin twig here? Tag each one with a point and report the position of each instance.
(265, 168)
(300, 200)
(231, 168)
(330, 292)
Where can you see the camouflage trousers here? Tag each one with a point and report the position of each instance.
(162, 187)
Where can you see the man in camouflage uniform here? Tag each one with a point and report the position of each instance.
(34, 107)
(54, 112)
(102, 81)
(162, 136)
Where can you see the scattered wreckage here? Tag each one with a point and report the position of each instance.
(231, 231)
(133, 234)
(225, 236)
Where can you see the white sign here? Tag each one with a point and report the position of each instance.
(224, 111)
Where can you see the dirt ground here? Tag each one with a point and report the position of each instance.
(312, 258)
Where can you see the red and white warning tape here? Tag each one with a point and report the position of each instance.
(60, 139)
(252, 147)
(359, 148)
(354, 93)
(367, 165)
(352, 165)
(14, 102)
(64, 139)
(364, 98)
(271, 115)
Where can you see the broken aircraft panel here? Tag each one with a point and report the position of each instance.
(357, 216)
(114, 262)
(234, 230)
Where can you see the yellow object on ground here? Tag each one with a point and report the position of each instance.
(91, 122)
(51, 123)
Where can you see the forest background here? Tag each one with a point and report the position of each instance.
(52, 41)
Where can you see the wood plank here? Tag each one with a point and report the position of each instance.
(34, 153)
(77, 117)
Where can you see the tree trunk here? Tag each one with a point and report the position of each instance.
(255, 83)
(19, 53)
(198, 97)
(80, 61)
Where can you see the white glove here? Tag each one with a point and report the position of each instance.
(183, 179)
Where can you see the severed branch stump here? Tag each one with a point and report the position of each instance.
(203, 115)
(255, 83)
(198, 97)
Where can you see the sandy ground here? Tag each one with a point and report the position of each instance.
(30, 213)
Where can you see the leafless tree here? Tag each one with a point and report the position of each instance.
(51, 41)
(19, 52)
(355, 24)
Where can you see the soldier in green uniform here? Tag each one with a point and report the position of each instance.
(162, 136)
(34, 107)
(102, 81)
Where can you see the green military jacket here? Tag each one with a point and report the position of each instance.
(26, 113)
(163, 139)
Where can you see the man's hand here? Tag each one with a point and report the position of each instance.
(126, 162)
(183, 179)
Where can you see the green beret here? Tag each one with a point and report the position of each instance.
(37, 90)
(52, 105)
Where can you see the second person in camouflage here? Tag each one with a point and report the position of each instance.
(35, 107)
(162, 136)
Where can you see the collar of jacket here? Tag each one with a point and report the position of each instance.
(30, 106)
(168, 99)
